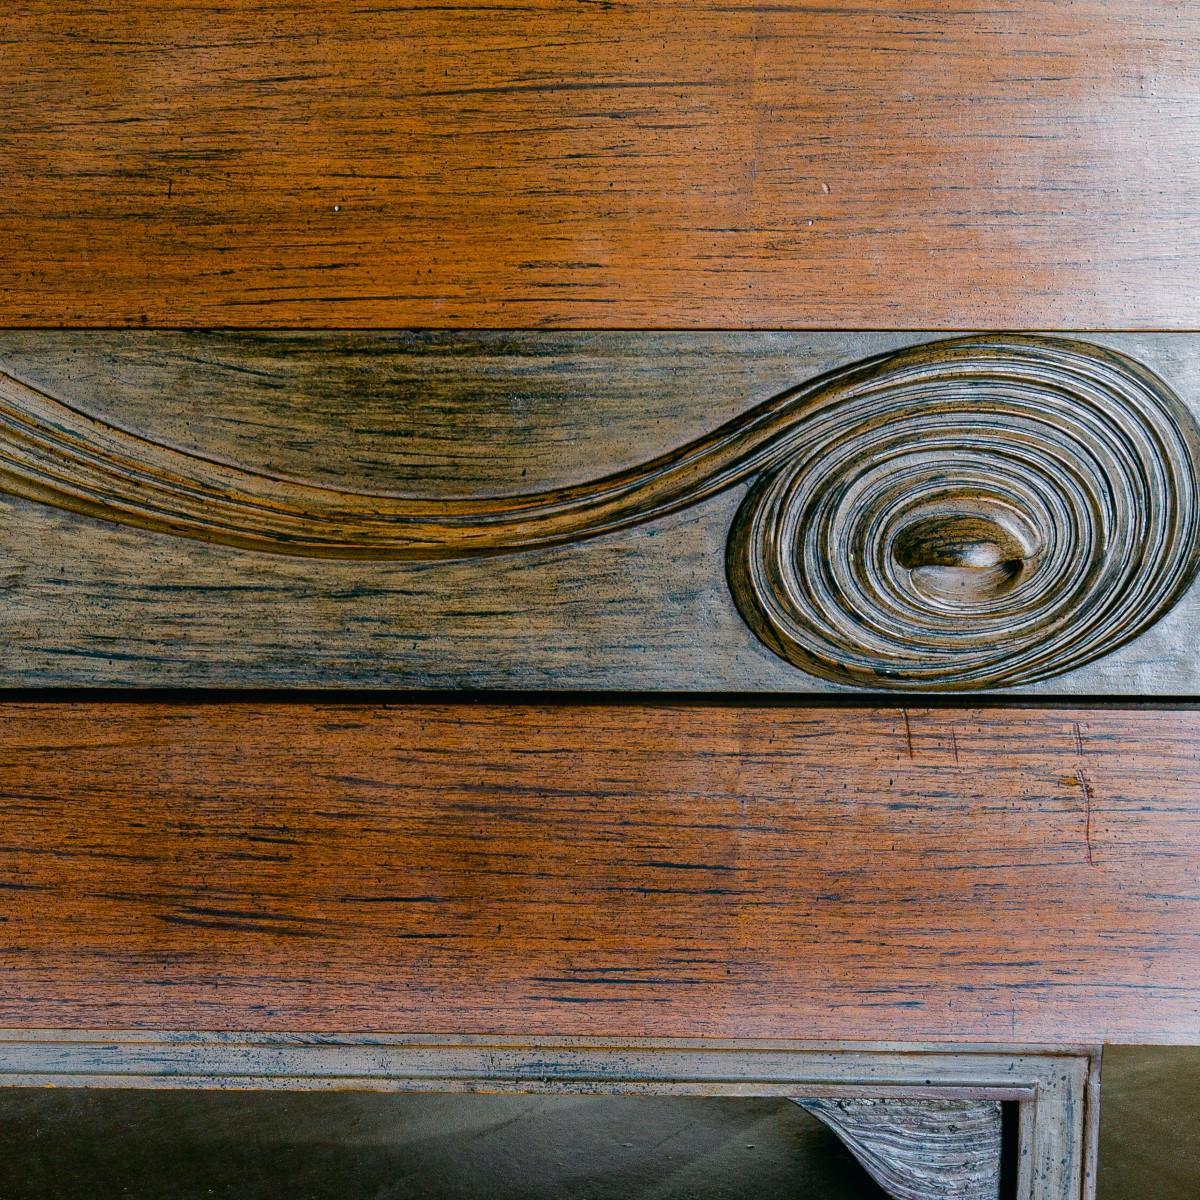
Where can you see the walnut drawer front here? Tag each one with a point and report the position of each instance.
(632, 870)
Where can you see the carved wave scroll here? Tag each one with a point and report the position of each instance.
(976, 512)
(981, 513)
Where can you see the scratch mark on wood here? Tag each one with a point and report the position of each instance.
(1085, 785)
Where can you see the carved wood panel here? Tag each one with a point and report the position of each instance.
(791, 512)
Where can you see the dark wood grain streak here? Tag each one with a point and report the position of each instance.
(635, 870)
(1012, 163)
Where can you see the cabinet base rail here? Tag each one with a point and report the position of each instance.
(929, 1122)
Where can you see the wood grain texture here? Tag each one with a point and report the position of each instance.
(728, 163)
(972, 512)
(628, 870)
(423, 418)
(921, 1149)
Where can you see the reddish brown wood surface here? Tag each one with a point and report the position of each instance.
(1023, 163)
(666, 870)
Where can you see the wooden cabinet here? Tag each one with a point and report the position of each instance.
(608, 547)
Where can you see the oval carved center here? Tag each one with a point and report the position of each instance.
(955, 555)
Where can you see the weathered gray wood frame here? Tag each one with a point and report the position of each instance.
(1056, 1088)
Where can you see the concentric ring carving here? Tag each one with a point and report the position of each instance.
(980, 513)
(977, 512)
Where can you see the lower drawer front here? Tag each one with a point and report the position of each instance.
(662, 870)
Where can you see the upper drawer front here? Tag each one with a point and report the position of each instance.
(657, 163)
(692, 511)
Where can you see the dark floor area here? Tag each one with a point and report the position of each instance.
(71, 1145)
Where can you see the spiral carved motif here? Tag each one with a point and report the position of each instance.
(978, 513)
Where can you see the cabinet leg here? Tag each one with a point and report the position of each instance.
(922, 1149)
(954, 1149)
